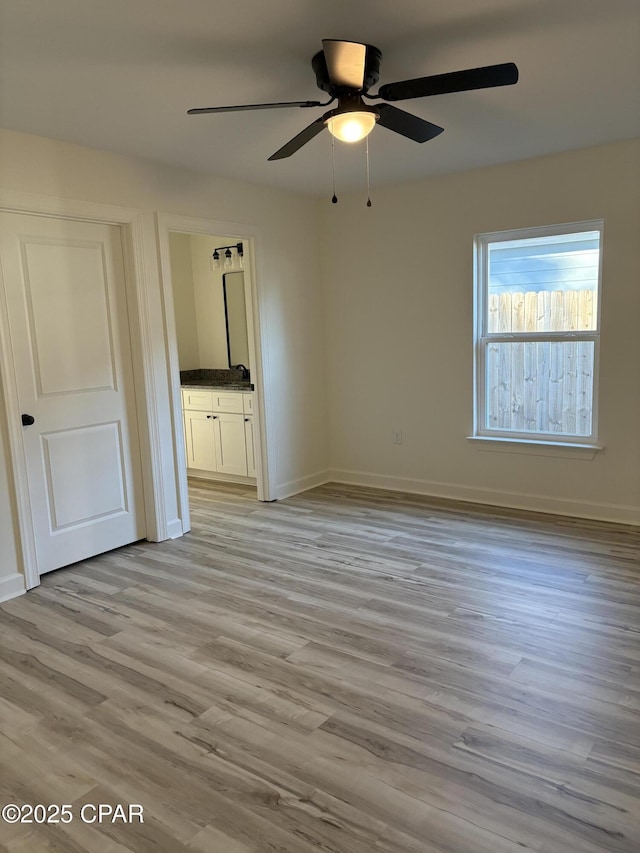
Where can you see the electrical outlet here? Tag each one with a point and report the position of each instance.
(397, 436)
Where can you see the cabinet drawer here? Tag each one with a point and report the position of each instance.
(227, 401)
(199, 401)
(247, 400)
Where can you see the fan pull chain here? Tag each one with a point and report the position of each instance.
(368, 176)
(334, 200)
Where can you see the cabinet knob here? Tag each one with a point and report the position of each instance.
(212, 417)
(246, 420)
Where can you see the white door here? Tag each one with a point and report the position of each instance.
(69, 328)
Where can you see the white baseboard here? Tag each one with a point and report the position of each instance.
(199, 474)
(303, 484)
(174, 528)
(11, 586)
(494, 497)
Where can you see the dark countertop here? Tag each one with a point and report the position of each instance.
(222, 380)
(218, 386)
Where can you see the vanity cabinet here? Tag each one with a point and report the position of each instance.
(218, 428)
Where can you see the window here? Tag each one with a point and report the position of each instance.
(537, 333)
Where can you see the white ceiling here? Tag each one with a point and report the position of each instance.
(120, 75)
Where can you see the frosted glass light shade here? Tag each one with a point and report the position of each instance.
(352, 126)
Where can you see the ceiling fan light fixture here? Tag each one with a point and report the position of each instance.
(352, 126)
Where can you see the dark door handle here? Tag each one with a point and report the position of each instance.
(27, 420)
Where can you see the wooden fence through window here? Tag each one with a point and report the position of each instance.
(541, 386)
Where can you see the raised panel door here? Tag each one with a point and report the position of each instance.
(67, 312)
(199, 431)
(231, 451)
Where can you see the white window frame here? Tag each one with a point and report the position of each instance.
(482, 337)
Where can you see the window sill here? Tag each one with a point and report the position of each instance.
(535, 447)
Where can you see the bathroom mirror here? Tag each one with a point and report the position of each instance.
(235, 311)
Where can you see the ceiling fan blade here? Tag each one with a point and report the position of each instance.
(241, 107)
(345, 62)
(487, 77)
(406, 124)
(301, 139)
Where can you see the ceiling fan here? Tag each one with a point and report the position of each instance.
(346, 70)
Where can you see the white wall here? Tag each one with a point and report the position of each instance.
(209, 301)
(184, 305)
(288, 277)
(399, 298)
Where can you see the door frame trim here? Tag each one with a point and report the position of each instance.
(265, 453)
(131, 224)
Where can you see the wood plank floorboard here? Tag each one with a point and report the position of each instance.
(345, 671)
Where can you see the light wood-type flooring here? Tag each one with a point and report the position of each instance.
(345, 671)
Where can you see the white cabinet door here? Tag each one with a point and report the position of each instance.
(251, 454)
(200, 434)
(67, 312)
(231, 452)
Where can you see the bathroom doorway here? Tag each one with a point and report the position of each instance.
(212, 315)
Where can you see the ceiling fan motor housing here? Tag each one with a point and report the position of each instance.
(351, 102)
(371, 72)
